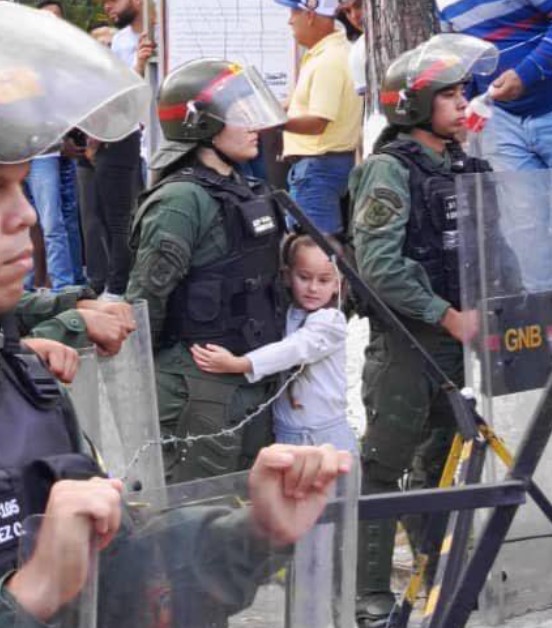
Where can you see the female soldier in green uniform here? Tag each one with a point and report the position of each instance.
(206, 242)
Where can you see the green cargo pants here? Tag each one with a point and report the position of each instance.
(410, 427)
(192, 402)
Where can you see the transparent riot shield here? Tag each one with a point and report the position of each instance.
(192, 556)
(65, 575)
(84, 391)
(506, 277)
(129, 420)
(116, 402)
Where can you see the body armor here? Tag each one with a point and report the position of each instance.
(235, 301)
(40, 442)
(432, 237)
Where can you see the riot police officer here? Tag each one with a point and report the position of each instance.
(41, 447)
(406, 242)
(47, 88)
(206, 242)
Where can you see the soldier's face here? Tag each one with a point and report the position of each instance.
(237, 143)
(449, 111)
(16, 218)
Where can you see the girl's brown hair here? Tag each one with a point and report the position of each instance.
(294, 241)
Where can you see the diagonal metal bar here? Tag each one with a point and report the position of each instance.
(530, 451)
(455, 544)
(500, 449)
(431, 537)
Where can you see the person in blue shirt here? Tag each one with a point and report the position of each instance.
(519, 135)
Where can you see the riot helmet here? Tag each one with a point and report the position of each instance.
(63, 80)
(415, 77)
(199, 98)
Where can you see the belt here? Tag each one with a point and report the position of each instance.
(293, 159)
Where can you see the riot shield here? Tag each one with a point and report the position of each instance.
(191, 557)
(502, 249)
(130, 435)
(70, 601)
(84, 391)
(116, 401)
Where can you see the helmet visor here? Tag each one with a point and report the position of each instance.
(239, 97)
(448, 58)
(63, 80)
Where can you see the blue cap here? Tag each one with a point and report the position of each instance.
(327, 8)
(291, 4)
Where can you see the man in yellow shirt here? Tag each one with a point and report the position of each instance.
(325, 112)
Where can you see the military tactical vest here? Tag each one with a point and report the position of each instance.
(432, 233)
(39, 443)
(235, 301)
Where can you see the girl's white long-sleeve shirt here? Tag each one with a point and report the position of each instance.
(317, 340)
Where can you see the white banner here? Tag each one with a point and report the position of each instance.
(251, 32)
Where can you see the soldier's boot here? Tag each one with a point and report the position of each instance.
(375, 601)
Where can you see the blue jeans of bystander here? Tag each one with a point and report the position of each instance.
(70, 212)
(513, 143)
(317, 184)
(45, 187)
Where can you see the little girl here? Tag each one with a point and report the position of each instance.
(314, 410)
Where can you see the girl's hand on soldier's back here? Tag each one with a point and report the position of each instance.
(216, 359)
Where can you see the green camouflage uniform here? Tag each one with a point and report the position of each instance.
(179, 227)
(404, 406)
(213, 563)
(53, 316)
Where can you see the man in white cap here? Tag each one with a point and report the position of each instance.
(325, 112)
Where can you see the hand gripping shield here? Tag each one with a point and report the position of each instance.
(506, 277)
(53, 78)
(192, 558)
(65, 572)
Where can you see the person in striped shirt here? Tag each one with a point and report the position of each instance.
(519, 135)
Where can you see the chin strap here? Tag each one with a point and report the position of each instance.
(426, 126)
(10, 334)
(222, 156)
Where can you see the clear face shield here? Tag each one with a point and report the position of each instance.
(443, 56)
(241, 98)
(53, 78)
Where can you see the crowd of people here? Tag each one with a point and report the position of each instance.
(239, 299)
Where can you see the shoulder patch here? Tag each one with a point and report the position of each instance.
(385, 194)
(380, 208)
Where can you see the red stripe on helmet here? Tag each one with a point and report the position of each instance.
(172, 112)
(207, 93)
(389, 98)
(431, 73)
(179, 111)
